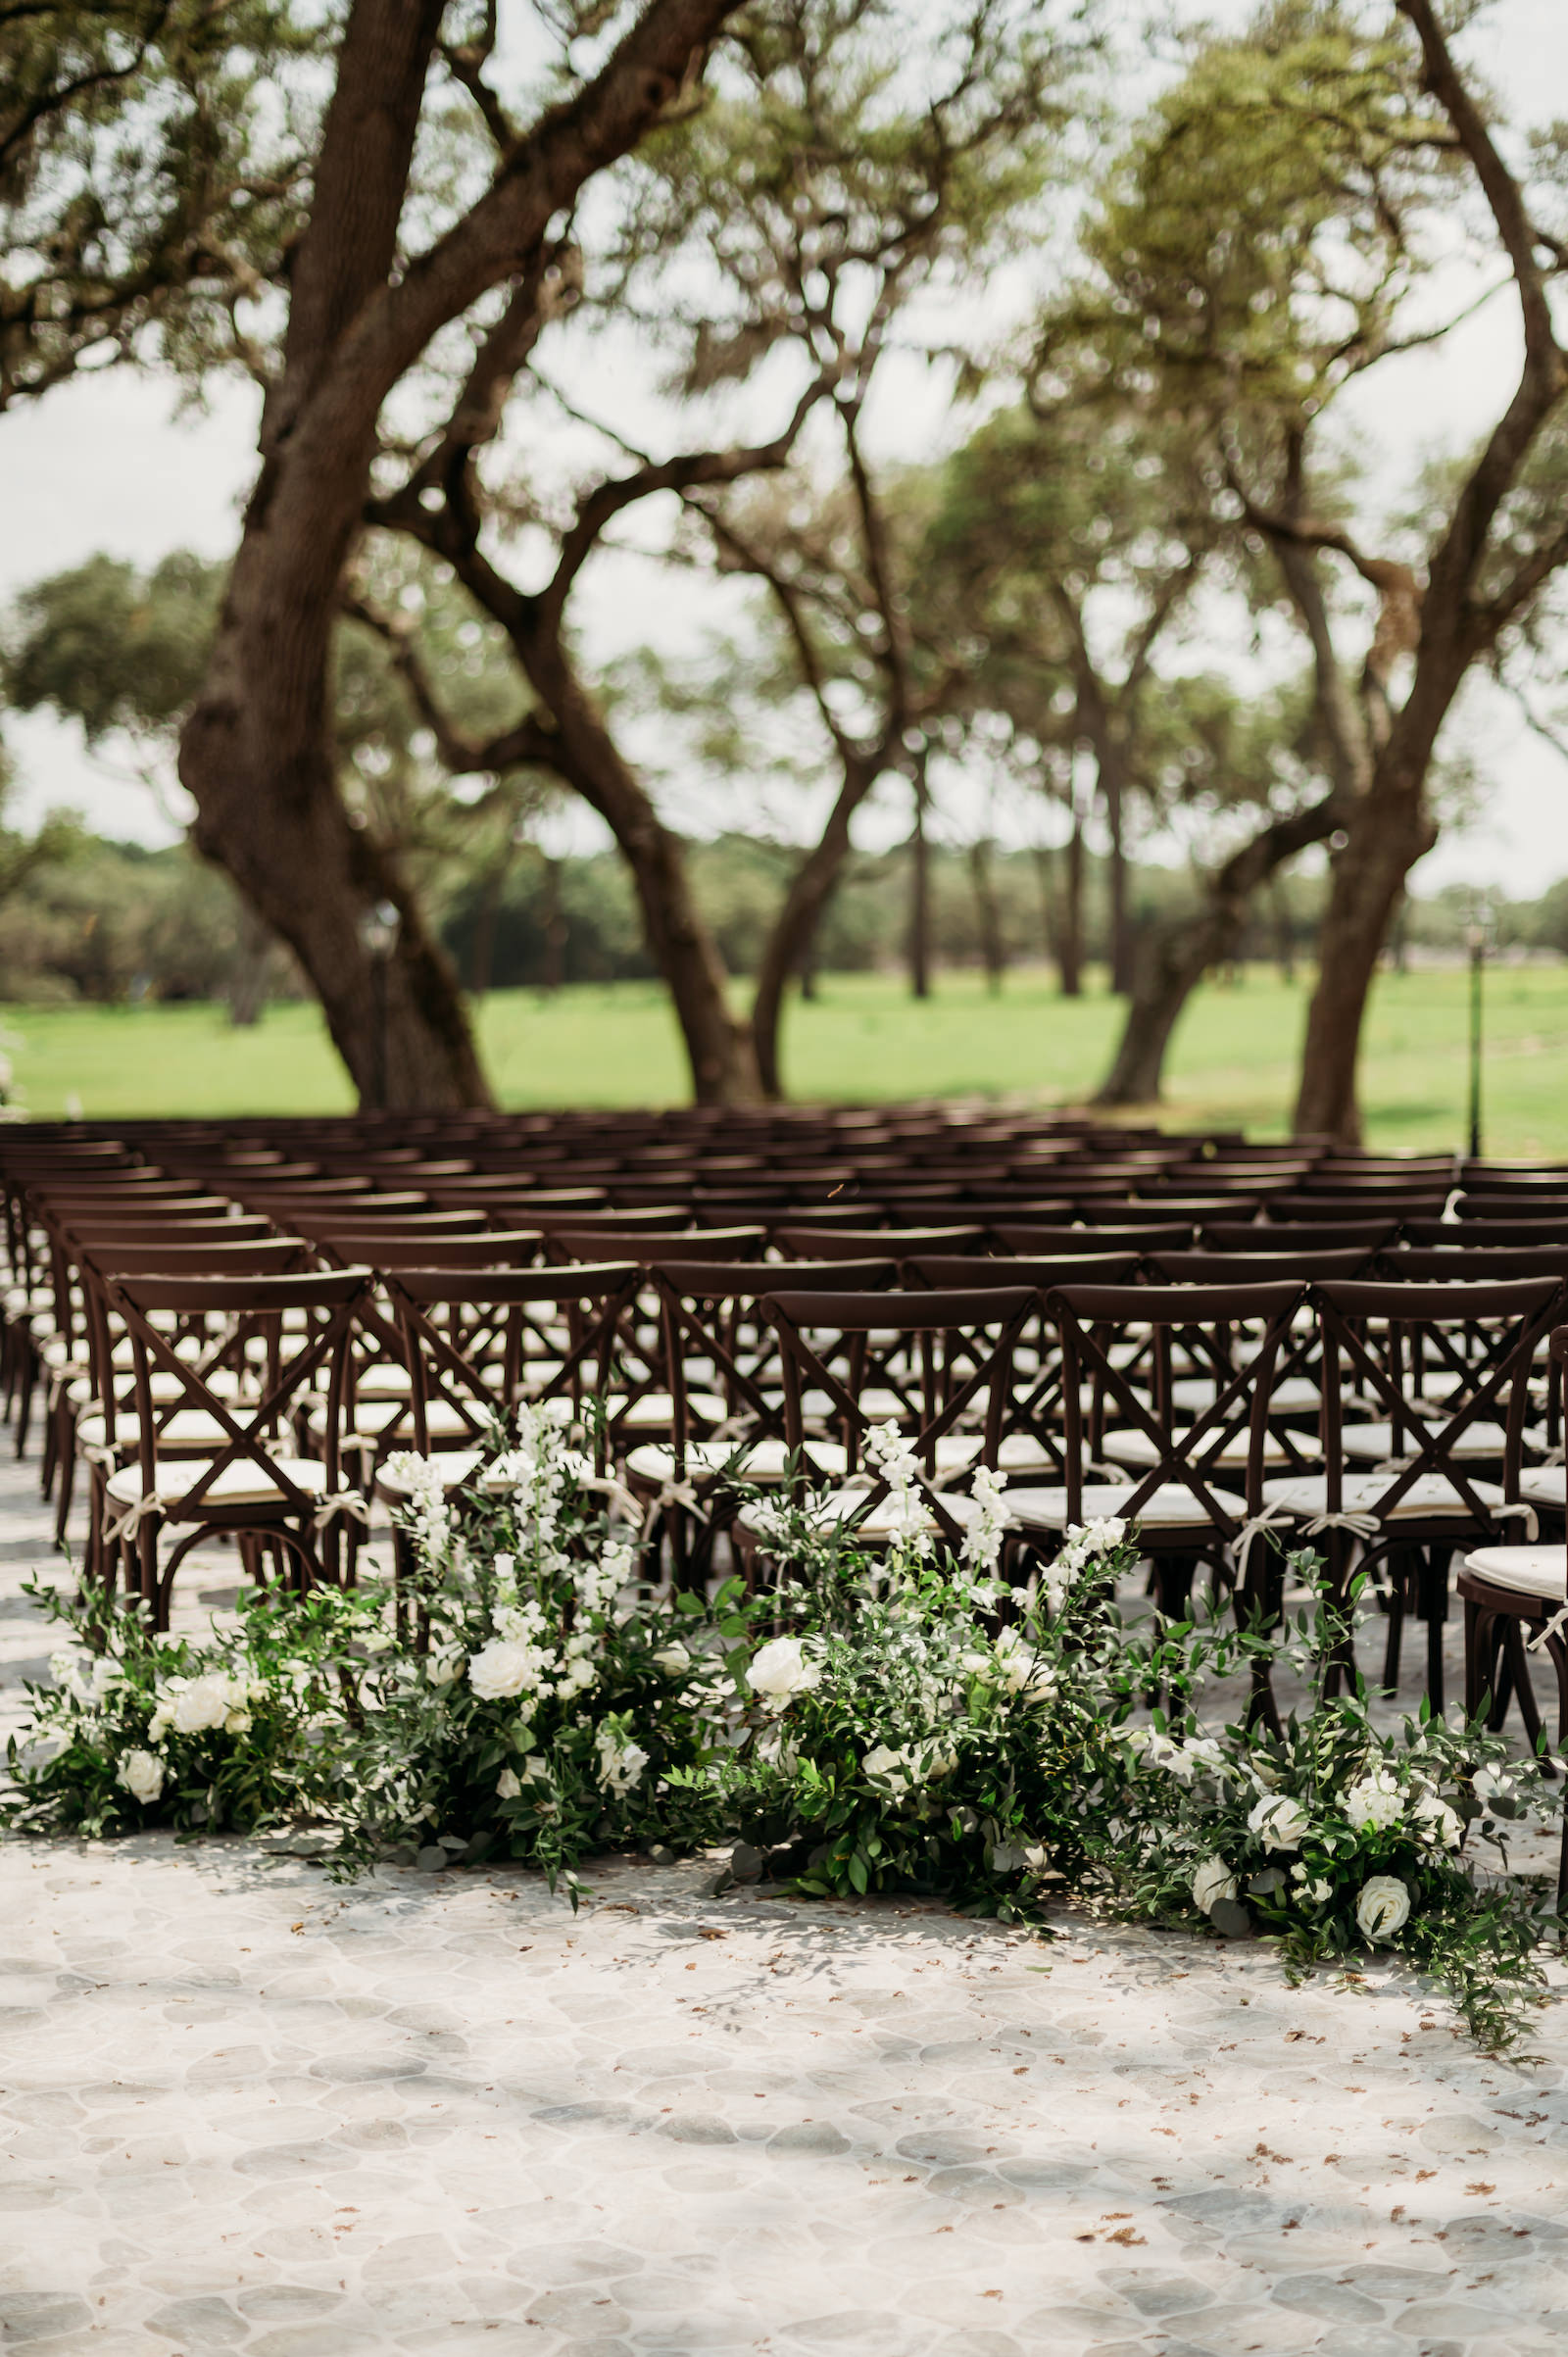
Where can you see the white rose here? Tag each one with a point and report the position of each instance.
(1202, 1756)
(142, 1775)
(1439, 1824)
(507, 1786)
(1382, 1907)
(893, 1770)
(1279, 1822)
(1375, 1803)
(502, 1668)
(783, 1669)
(1212, 1882)
(673, 1658)
(205, 1702)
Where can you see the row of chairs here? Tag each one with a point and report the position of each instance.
(404, 1353)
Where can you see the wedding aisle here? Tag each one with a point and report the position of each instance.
(248, 2108)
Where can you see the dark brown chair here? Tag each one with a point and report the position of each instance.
(1515, 1605)
(246, 1486)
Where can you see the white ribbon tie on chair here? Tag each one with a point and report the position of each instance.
(343, 1504)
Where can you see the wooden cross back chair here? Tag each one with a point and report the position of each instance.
(941, 1368)
(1192, 1480)
(1439, 1365)
(1515, 1601)
(476, 1343)
(247, 1484)
(722, 1351)
(95, 1417)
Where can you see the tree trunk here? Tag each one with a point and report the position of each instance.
(1390, 831)
(718, 1044)
(919, 895)
(1111, 780)
(992, 949)
(810, 890)
(257, 753)
(251, 970)
(1176, 955)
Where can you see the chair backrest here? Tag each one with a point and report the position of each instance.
(416, 1248)
(1472, 1264)
(245, 1309)
(711, 1313)
(1095, 1322)
(1384, 1199)
(1252, 1268)
(654, 1247)
(809, 1242)
(1028, 1241)
(1473, 1234)
(955, 1362)
(1299, 1235)
(349, 1222)
(498, 1311)
(1481, 1337)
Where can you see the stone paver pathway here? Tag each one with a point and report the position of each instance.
(244, 2108)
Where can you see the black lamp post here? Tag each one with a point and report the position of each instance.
(1477, 940)
(378, 937)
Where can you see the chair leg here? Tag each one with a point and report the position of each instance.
(67, 1481)
(1517, 1662)
(1433, 1606)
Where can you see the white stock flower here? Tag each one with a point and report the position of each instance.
(621, 1760)
(1375, 1803)
(445, 1665)
(982, 1540)
(142, 1775)
(674, 1658)
(1384, 1907)
(1019, 1667)
(1279, 1822)
(1212, 1882)
(508, 1785)
(782, 1670)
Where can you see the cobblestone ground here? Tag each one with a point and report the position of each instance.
(247, 2109)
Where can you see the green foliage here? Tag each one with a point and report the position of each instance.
(524, 1696)
(1257, 239)
(226, 1734)
(153, 157)
(112, 647)
(1331, 1836)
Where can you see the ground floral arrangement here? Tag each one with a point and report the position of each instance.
(877, 1720)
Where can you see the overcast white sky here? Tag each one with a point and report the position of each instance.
(107, 464)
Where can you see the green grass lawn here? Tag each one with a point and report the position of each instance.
(863, 1039)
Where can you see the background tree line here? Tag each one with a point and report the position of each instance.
(525, 289)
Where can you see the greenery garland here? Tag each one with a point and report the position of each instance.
(878, 1721)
